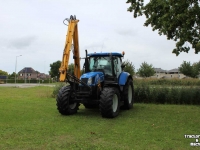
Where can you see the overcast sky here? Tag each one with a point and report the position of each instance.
(34, 29)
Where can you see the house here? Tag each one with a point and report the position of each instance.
(159, 73)
(167, 74)
(28, 73)
(175, 73)
(43, 76)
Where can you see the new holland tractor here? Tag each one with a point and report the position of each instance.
(104, 84)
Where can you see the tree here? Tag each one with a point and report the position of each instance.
(3, 73)
(190, 70)
(146, 70)
(196, 69)
(54, 68)
(71, 68)
(186, 68)
(129, 67)
(54, 71)
(177, 19)
(12, 76)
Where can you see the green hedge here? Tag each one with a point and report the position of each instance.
(173, 82)
(27, 81)
(144, 93)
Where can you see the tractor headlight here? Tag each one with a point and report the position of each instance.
(89, 81)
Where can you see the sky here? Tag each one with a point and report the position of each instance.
(35, 30)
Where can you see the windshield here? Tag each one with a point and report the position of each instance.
(101, 63)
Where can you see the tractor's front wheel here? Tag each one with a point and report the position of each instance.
(110, 102)
(65, 101)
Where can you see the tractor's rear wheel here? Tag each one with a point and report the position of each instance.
(65, 104)
(109, 102)
(128, 93)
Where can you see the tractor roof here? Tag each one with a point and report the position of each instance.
(106, 54)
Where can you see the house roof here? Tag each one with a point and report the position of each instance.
(174, 70)
(159, 70)
(28, 70)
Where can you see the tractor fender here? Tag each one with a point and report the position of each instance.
(123, 78)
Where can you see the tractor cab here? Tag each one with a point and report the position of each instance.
(110, 64)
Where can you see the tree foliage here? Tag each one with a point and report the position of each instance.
(186, 68)
(196, 69)
(179, 20)
(3, 73)
(190, 70)
(129, 67)
(146, 70)
(70, 68)
(12, 76)
(54, 68)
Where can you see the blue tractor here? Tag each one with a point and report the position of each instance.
(104, 85)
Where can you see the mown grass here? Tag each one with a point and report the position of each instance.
(29, 120)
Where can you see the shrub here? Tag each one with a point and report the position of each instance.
(167, 95)
(142, 93)
(171, 82)
(174, 96)
(57, 88)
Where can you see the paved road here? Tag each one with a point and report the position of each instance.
(25, 85)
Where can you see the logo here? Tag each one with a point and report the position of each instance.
(196, 139)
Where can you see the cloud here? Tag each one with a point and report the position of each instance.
(94, 47)
(126, 32)
(21, 42)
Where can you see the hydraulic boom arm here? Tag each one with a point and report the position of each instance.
(71, 43)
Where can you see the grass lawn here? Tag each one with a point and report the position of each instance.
(29, 120)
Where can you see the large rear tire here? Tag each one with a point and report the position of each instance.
(128, 94)
(65, 103)
(109, 102)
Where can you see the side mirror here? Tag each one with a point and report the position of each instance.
(123, 66)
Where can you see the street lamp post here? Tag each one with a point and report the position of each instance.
(16, 67)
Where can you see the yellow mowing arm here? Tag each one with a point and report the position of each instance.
(72, 36)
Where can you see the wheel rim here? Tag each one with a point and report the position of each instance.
(115, 103)
(72, 106)
(129, 94)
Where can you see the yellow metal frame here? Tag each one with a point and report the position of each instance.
(71, 38)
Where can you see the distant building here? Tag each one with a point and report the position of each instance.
(167, 74)
(3, 77)
(43, 76)
(29, 73)
(159, 73)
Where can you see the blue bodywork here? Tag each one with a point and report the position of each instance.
(98, 77)
(106, 54)
(123, 78)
